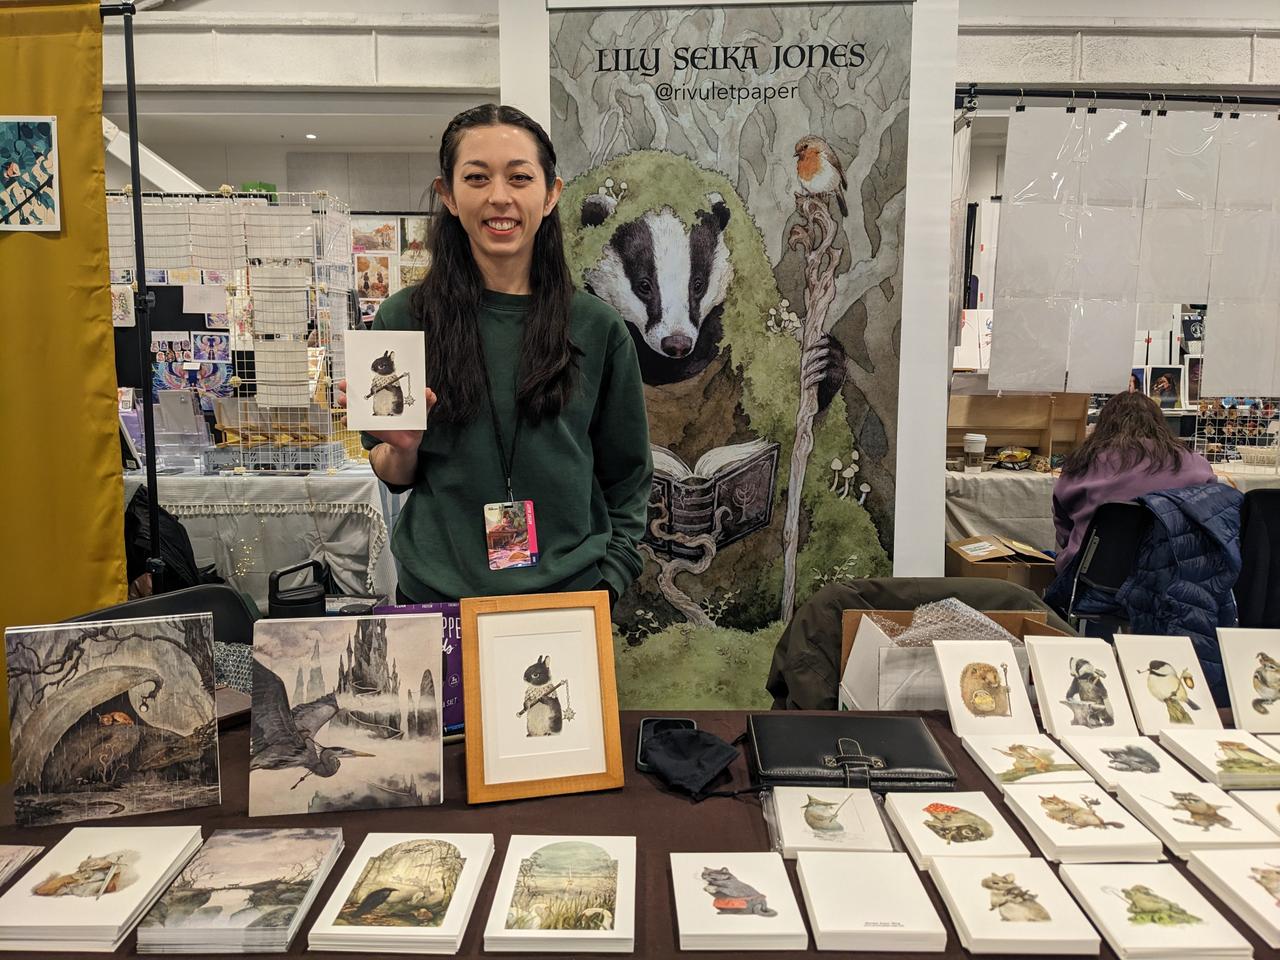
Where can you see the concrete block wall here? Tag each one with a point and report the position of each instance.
(450, 49)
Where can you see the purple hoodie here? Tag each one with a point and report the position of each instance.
(1077, 496)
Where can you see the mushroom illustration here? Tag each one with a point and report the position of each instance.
(836, 466)
(848, 473)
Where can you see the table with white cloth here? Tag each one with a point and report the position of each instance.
(1019, 503)
(248, 526)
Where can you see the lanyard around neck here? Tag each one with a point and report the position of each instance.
(508, 462)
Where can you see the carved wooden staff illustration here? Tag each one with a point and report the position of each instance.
(815, 238)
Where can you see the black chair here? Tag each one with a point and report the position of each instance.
(1108, 555)
(232, 617)
(1258, 588)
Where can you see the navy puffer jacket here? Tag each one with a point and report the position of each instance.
(1186, 569)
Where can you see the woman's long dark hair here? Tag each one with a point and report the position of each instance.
(1132, 427)
(447, 302)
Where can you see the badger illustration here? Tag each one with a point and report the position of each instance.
(668, 282)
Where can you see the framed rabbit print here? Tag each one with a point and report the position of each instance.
(540, 697)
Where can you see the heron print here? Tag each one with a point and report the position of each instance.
(112, 719)
(346, 714)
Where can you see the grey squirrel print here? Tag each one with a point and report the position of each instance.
(389, 398)
(544, 717)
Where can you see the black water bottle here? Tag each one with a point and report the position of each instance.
(304, 600)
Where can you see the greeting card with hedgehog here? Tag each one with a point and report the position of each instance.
(746, 399)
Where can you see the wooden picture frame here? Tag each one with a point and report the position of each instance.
(492, 681)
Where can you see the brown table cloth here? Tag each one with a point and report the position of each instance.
(661, 822)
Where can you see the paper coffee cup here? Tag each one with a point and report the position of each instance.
(975, 442)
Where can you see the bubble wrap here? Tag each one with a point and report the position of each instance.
(944, 620)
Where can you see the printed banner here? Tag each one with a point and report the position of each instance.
(736, 185)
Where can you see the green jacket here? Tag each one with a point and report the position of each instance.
(588, 472)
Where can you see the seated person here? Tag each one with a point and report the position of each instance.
(1131, 452)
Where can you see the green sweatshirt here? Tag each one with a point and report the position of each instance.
(588, 472)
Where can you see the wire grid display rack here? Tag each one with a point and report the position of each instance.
(1237, 432)
(1240, 430)
(284, 260)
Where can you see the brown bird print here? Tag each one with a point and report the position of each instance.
(820, 171)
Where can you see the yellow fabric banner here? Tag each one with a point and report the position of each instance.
(61, 493)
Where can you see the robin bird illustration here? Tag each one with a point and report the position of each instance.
(820, 171)
(1170, 688)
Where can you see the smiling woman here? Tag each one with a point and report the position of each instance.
(537, 406)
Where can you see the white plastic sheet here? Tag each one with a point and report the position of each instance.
(1100, 346)
(1174, 262)
(1041, 162)
(1241, 349)
(1029, 344)
(1250, 162)
(1243, 264)
(1070, 239)
(1107, 265)
(1242, 330)
(1113, 218)
(960, 150)
(1042, 267)
(1183, 167)
(1113, 158)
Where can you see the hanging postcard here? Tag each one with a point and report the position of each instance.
(29, 188)
(414, 257)
(122, 305)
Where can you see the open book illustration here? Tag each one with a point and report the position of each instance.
(727, 494)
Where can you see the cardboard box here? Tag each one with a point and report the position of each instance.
(876, 674)
(1000, 558)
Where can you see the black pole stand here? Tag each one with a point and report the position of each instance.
(143, 302)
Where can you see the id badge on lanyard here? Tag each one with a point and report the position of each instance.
(510, 531)
(510, 534)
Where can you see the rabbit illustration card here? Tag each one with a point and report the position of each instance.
(1166, 683)
(386, 376)
(1251, 659)
(540, 695)
(984, 688)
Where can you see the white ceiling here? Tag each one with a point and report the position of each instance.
(341, 121)
(334, 132)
